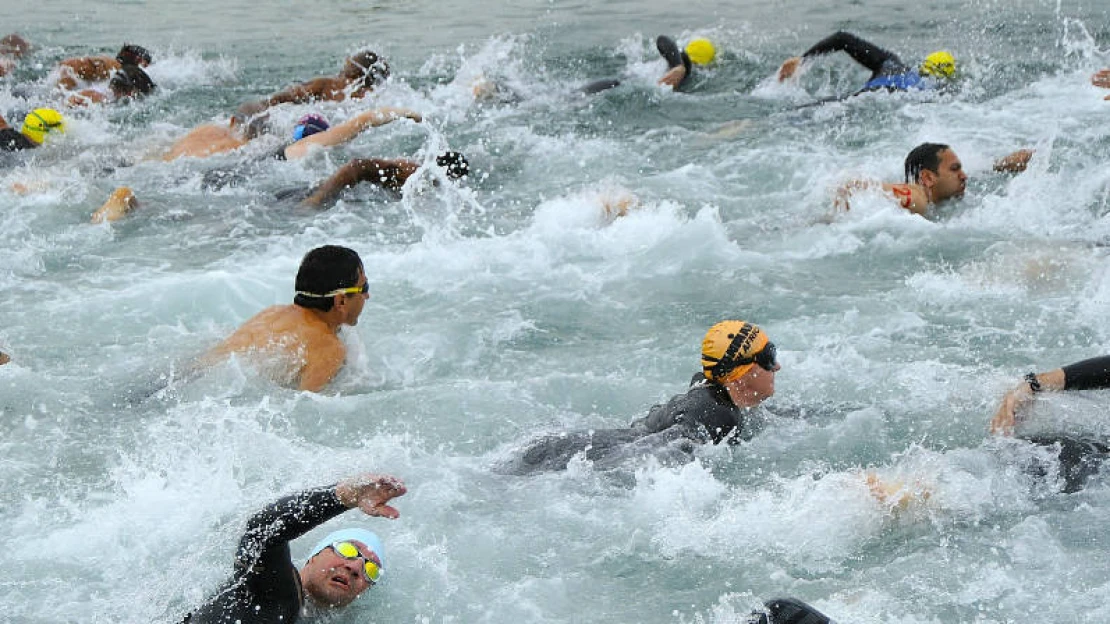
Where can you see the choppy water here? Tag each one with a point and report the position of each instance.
(510, 308)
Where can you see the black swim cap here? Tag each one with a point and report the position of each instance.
(374, 68)
(455, 164)
(131, 80)
(131, 54)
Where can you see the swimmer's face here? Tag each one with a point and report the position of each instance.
(949, 180)
(333, 581)
(353, 303)
(761, 382)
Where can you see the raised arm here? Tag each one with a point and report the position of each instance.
(264, 548)
(348, 130)
(863, 52)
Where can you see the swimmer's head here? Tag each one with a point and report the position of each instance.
(372, 541)
(130, 81)
(309, 125)
(701, 51)
(367, 67)
(324, 270)
(731, 348)
(921, 158)
(939, 64)
(41, 122)
(455, 164)
(14, 45)
(131, 54)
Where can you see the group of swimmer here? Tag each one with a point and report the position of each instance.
(738, 360)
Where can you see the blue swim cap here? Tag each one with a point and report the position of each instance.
(309, 125)
(359, 535)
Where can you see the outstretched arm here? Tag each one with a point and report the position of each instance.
(348, 130)
(863, 52)
(388, 174)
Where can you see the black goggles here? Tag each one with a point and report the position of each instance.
(766, 358)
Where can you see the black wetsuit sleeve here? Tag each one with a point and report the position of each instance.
(1088, 374)
(863, 52)
(264, 547)
(12, 140)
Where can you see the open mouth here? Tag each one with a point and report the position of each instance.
(340, 580)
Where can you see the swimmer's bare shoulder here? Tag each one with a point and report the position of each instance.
(298, 333)
(912, 197)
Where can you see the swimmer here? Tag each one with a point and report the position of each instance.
(4, 358)
(208, 139)
(299, 343)
(129, 82)
(120, 202)
(361, 73)
(934, 174)
(680, 64)
(36, 126)
(99, 68)
(888, 72)
(738, 362)
(390, 175)
(267, 587)
(12, 48)
(1080, 457)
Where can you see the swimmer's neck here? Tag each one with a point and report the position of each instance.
(332, 319)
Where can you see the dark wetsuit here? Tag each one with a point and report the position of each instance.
(702, 414)
(887, 70)
(266, 587)
(1080, 457)
(12, 140)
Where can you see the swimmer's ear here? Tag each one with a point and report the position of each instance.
(927, 177)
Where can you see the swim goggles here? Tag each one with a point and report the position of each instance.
(353, 290)
(370, 568)
(767, 358)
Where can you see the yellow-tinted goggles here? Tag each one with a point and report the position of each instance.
(353, 290)
(370, 567)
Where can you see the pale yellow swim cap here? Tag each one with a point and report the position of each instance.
(939, 64)
(701, 51)
(42, 121)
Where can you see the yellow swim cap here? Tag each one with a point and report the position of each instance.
(728, 350)
(701, 51)
(42, 121)
(939, 64)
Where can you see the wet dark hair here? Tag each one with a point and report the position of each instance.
(374, 68)
(323, 270)
(922, 157)
(131, 54)
(131, 81)
(455, 164)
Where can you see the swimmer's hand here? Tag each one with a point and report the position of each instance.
(1101, 78)
(1004, 419)
(673, 76)
(789, 68)
(391, 113)
(1014, 163)
(371, 493)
